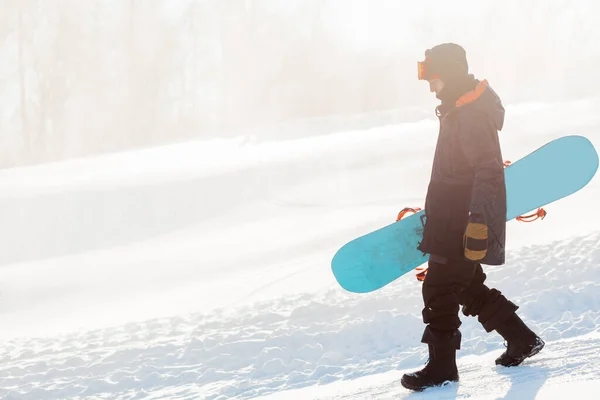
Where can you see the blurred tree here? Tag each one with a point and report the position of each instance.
(25, 132)
(84, 77)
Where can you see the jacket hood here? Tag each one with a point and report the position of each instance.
(484, 99)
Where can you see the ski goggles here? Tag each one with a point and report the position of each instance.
(423, 71)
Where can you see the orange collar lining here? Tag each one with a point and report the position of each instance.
(472, 95)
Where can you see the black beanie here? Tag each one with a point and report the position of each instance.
(449, 61)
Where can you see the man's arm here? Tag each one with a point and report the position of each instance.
(479, 142)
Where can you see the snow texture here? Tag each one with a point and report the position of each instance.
(201, 271)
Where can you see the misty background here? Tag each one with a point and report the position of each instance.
(86, 77)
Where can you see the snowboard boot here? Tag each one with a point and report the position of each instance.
(522, 343)
(439, 370)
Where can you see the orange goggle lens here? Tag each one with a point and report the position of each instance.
(422, 70)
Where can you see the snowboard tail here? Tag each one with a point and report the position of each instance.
(552, 172)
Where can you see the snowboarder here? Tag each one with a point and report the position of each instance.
(465, 221)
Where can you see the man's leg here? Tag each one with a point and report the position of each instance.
(490, 306)
(441, 291)
(441, 288)
(495, 312)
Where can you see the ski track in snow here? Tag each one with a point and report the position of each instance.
(308, 339)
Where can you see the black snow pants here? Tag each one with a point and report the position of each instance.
(459, 282)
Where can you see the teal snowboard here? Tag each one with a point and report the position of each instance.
(552, 172)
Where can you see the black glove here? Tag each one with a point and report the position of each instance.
(476, 238)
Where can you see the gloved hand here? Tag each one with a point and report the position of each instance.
(476, 238)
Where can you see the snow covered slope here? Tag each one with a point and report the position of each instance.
(550, 377)
(201, 271)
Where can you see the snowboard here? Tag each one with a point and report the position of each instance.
(552, 172)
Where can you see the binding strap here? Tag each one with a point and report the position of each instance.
(407, 210)
(540, 213)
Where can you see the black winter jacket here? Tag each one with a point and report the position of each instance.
(467, 177)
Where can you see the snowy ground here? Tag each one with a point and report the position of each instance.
(201, 271)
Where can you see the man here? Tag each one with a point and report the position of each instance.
(465, 221)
